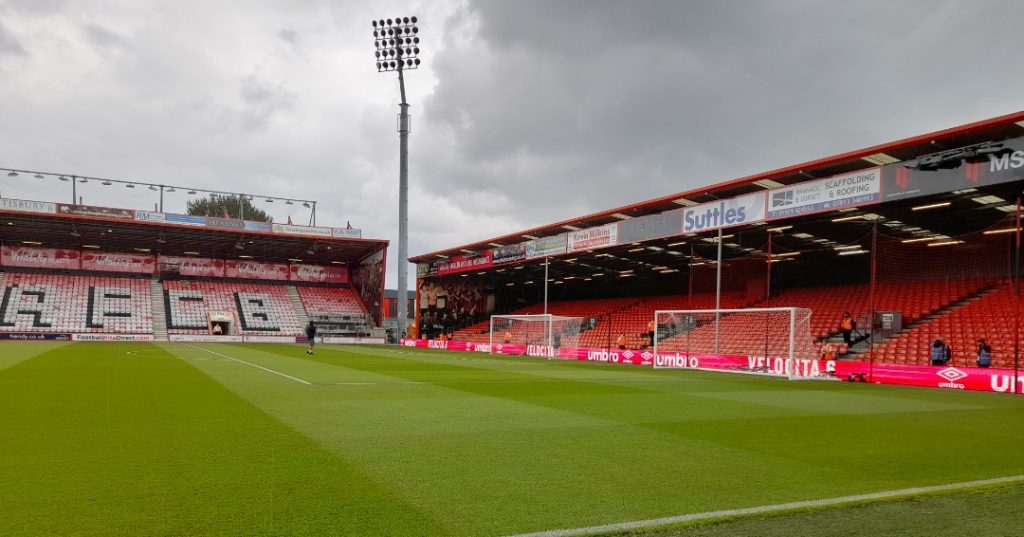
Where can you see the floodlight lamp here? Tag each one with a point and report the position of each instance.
(62, 178)
(389, 22)
(382, 22)
(269, 200)
(417, 60)
(305, 204)
(416, 50)
(288, 202)
(416, 40)
(39, 176)
(171, 189)
(129, 185)
(192, 192)
(412, 20)
(415, 30)
(83, 180)
(12, 174)
(106, 183)
(374, 24)
(378, 66)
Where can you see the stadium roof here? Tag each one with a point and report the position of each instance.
(999, 128)
(108, 234)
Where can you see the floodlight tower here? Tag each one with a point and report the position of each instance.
(397, 45)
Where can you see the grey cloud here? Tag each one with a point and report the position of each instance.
(100, 36)
(9, 45)
(264, 100)
(289, 36)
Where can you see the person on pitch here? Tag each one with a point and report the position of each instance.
(311, 336)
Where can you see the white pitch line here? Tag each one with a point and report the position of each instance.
(766, 509)
(267, 369)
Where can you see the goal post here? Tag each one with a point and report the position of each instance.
(542, 335)
(775, 341)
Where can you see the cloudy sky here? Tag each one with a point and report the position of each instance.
(525, 112)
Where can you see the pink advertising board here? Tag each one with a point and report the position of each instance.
(318, 273)
(47, 258)
(195, 266)
(943, 377)
(254, 270)
(110, 262)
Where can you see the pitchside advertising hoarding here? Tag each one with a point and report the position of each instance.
(725, 213)
(841, 191)
(951, 378)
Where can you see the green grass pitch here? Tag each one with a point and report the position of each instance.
(179, 439)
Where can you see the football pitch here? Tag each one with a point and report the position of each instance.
(220, 439)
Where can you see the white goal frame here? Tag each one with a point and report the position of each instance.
(548, 339)
(792, 311)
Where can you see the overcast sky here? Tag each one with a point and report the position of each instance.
(524, 112)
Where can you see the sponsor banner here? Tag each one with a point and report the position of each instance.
(201, 338)
(548, 246)
(135, 263)
(946, 377)
(102, 212)
(763, 365)
(262, 227)
(331, 340)
(194, 266)
(654, 226)
(425, 269)
(185, 219)
(224, 223)
(150, 216)
(47, 258)
(254, 270)
(25, 206)
(302, 230)
(901, 182)
(268, 339)
(347, 233)
(595, 237)
(318, 273)
(111, 337)
(463, 263)
(508, 254)
(29, 336)
(852, 190)
(539, 351)
(849, 190)
(725, 213)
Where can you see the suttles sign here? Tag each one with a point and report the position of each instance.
(725, 213)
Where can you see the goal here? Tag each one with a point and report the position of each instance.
(546, 336)
(774, 341)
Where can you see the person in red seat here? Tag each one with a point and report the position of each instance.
(984, 353)
(621, 341)
(650, 332)
(508, 336)
(828, 351)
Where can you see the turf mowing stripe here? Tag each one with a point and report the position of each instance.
(267, 369)
(770, 509)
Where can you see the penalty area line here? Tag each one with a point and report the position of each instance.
(771, 509)
(267, 369)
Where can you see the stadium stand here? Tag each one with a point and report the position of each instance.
(45, 302)
(328, 301)
(261, 309)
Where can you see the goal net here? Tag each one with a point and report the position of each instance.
(774, 341)
(547, 336)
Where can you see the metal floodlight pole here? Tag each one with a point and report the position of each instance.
(397, 46)
(718, 295)
(547, 262)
